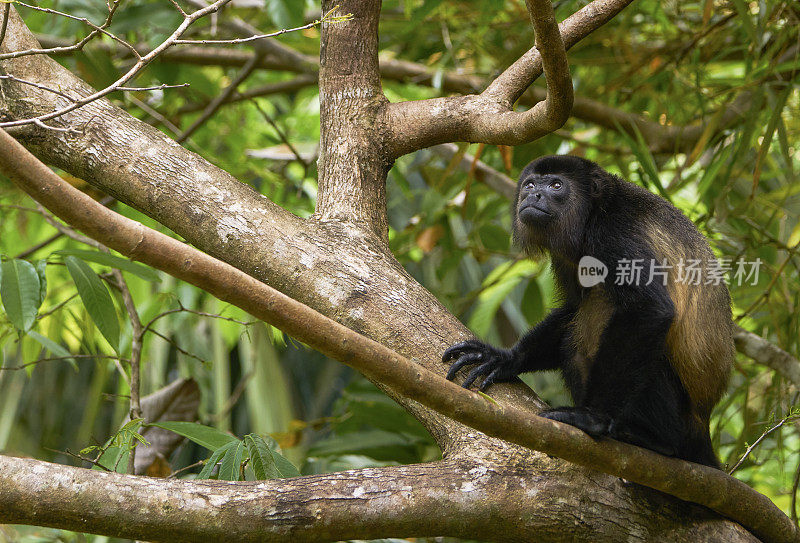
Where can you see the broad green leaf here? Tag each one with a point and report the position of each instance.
(794, 237)
(96, 299)
(54, 348)
(205, 473)
(488, 303)
(20, 291)
(283, 15)
(230, 467)
(205, 436)
(140, 270)
(494, 237)
(114, 458)
(260, 457)
(266, 460)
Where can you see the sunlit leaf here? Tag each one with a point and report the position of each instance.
(205, 436)
(20, 292)
(96, 299)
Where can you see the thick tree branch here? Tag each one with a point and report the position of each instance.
(449, 497)
(687, 481)
(352, 165)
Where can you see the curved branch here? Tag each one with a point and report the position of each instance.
(691, 482)
(509, 86)
(488, 117)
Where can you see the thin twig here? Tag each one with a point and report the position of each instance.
(58, 359)
(153, 88)
(136, 68)
(135, 360)
(6, 9)
(217, 102)
(112, 8)
(281, 134)
(38, 86)
(760, 439)
(101, 28)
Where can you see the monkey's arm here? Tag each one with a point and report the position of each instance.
(539, 349)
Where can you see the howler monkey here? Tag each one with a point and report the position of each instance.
(645, 355)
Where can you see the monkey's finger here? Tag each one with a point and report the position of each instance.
(489, 379)
(456, 350)
(477, 372)
(464, 360)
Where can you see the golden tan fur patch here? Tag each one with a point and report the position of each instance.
(700, 341)
(587, 326)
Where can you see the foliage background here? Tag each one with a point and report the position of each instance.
(675, 63)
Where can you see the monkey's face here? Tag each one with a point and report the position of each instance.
(542, 199)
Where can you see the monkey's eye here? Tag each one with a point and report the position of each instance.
(556, 185)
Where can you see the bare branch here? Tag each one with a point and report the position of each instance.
(488, 117)
(220, 99)
(512, 83)
(764, 352)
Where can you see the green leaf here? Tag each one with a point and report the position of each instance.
(205, 436)
(205, 473)
(283, 15)
(114, 458)
(96, 299)
(266, 461)
(140, 270)
(41, 267)
(230, 468)
(260, 457)
(54, 348)
(20, 291)
(494, 237)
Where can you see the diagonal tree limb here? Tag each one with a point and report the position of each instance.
(692, 482)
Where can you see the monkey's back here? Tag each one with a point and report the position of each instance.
(700, 339)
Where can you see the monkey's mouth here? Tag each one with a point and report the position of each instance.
(535, 216)
(533, 209)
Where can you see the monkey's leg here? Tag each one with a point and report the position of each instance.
(633, 384)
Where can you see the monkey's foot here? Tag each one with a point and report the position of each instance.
(594, 424)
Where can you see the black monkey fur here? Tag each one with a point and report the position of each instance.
(645, 364)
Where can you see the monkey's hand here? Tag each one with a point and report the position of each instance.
(496, 365)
